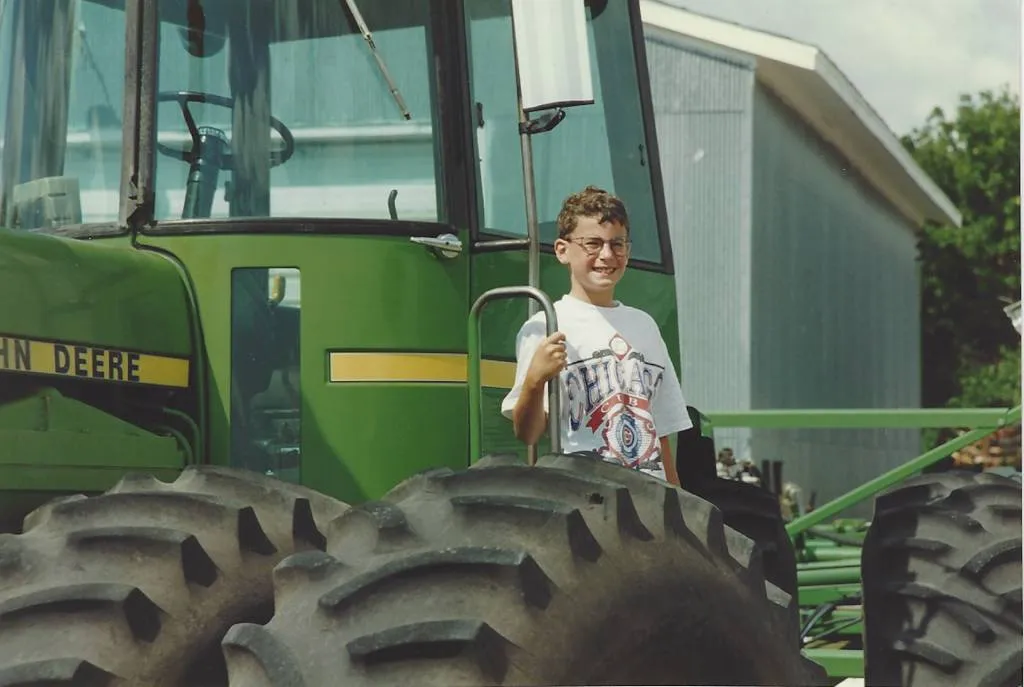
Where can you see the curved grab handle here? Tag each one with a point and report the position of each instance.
(475, 390)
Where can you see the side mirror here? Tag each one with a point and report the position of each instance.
(552, 53)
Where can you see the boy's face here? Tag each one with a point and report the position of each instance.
(596, 254)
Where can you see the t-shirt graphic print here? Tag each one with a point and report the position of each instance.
(619, 392)
(610, 394)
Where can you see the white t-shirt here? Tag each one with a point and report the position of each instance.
(619, 391)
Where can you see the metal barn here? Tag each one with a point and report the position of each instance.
(793, 212)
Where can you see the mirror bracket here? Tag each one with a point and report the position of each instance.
(542, 124)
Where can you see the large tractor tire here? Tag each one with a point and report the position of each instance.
(749, 509)
(571, 572)
(137, 586)
(754, 511)
(941, 569)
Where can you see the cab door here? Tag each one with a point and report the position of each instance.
(331, 269)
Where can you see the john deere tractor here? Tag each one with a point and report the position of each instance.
(248, 378)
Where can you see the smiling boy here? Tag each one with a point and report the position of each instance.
(620, 395)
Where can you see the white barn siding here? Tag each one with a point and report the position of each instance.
(702, 105)
(797, 283)
(835, 312)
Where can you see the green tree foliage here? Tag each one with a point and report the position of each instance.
(970, 352)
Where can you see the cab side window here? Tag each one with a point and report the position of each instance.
(601, 144)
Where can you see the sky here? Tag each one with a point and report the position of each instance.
(904, 56)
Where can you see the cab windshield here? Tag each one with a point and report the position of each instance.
(318, 109)
(265, 108)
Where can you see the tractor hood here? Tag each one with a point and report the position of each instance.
(90, 309)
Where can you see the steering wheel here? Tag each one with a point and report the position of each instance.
(183, 98)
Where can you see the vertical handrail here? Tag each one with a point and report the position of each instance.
(475, 389)
(530, 193)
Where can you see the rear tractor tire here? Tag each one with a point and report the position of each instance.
(750, 509)
(941, 569)
(138, 585)
(575, 571)
(755, 512)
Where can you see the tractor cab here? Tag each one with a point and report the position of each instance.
(152, 111)
(336, 183)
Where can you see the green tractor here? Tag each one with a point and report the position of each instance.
(241, 411)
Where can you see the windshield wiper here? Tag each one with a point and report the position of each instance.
(363, 29)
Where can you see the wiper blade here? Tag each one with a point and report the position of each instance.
(365, 31)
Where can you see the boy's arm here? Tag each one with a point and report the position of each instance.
(669, 463)
(528, 417)
(528, 413)
(670, 414)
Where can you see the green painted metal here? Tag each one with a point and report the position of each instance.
(359, 294)
(475, 386)
(89, 292)
(838, 575)
(896, 475)
(366, 288)
(833, 571)
(865, 418)
(812, 542)
(828, 564)
(812, 546)
(838, 535)
(840, 663)
(99, 294)
(195, 434)
(819, 594)
(831, 553)
(51, 443)
(853, 525)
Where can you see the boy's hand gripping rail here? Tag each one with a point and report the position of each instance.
(475, 390)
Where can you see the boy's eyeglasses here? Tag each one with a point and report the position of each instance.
(593, 246)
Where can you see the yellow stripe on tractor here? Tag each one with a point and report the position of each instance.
(29, 356)
(416, 367)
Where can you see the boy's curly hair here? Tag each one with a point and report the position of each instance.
(591, 202)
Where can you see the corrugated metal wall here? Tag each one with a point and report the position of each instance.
(797, 285)
(834, 313)
(702, 105)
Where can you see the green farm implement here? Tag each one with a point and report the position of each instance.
(247, 438)
(926, 591)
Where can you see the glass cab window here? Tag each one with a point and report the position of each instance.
(292, 112)
(61, 88)
(265, 108)
(601, 144)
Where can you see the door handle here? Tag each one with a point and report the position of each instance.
(445, 245)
